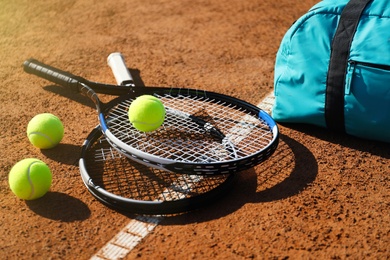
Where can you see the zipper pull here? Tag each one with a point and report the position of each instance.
(348, 78)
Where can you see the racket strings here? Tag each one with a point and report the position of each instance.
(245, 131)
(123, 177)
(182, 139)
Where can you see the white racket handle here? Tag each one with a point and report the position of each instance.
(118, 66)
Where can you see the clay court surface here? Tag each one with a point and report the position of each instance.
(322, 195)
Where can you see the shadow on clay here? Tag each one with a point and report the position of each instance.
(65, 153)
(59, 206)
(285, 174)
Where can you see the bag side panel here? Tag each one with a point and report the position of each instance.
(301, 70)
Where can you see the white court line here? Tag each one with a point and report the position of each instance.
(137, 229)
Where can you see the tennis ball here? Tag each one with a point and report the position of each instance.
(146, 113)
(30, 179)
(45, 131)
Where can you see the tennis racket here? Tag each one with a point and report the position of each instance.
(203, 132)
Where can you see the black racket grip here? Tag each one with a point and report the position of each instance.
(52, 74)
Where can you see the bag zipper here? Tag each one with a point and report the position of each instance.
(348, 78)
(372, 65)
(351, 71)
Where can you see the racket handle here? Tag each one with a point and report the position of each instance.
(118, 66)
(52, 74)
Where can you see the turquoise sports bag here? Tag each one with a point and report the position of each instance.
(333, 69)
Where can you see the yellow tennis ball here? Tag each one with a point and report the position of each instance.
(30, 179)
(146, 113)
(45, 131)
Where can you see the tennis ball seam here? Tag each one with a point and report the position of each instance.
(157, 122)
(30, 181)
(51, 141)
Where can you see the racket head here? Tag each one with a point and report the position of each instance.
(126, 185)
(183, 146)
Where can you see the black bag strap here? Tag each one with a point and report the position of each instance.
(341, 44)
